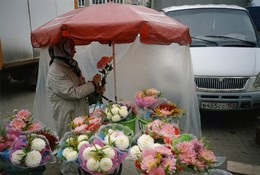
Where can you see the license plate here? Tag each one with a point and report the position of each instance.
(218, 106)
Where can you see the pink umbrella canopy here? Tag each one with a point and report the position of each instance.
(112, 22)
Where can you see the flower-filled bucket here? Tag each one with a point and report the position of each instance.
(116, 135)
(129, 123)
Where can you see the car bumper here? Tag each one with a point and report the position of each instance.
(229, 101)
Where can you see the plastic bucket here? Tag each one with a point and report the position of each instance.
(130, 123)
(142, 123)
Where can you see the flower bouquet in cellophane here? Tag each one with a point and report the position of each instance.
(98, 158)
(151, 157)
(147, 98)
(70, 145)
(193, 154)
(86, 124)
(162, 131)
(22, 122)
(116, 135)
(164, 110)
(30, 151)
(117, 112)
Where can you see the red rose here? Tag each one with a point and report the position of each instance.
(103, 62)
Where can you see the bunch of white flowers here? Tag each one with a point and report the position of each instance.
(70, 154)
(31, 157)
(74, 143)
(118, 138)
(99, 159)
(116, 112)
(143, 142)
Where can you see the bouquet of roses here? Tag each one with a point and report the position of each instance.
(30, 151)
(161, 130)
(116, 135)
(23, 123)
(151, 157)
(70, 145)
(85, 124)
(98, 158)
(147, 98)
(117, 112)
(192, 154)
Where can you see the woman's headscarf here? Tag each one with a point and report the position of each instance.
(64, 50)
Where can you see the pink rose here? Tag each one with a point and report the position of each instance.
(34, 127)
(23, 114)
(17, 124)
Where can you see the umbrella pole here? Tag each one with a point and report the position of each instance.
(114, 65)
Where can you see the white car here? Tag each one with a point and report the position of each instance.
(225, 55)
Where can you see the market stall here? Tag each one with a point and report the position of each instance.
(149, 49)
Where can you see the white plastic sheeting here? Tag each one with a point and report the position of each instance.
(138, 66)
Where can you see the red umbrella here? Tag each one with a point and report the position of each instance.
(112, 23)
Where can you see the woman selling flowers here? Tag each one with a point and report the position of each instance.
(67, 88)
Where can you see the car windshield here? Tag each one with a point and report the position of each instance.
(225, 23)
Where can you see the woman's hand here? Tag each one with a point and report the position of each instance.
(96, 80)
(100, 89)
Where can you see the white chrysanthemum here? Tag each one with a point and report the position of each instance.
(17, 156)
(122, 142)
(96, 146)
(33, 158)
(82, 137)
(92, 164)
(38, 144)
(109, 116)
(123, 113)
(70, 139)
(72, 155)
(109, 152)
(66, 151)
(115, 105)
(82, 143)
(110, 131)
(88, 153)
(110, 138)
(117, 133)
(107, 110)
(114, 110)
(105, 164)
(145, 141)
(116, 118)
(123, 107)
(135, 152)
